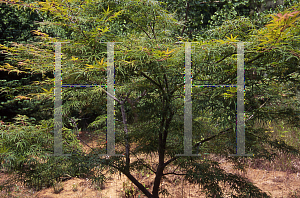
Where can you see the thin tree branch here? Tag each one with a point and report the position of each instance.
(132, 104)
(138, 184)
(85, 143)
(179, 85)
(224, 58)
(166, 81)
(171, 160)
(210, 138)
(255, 58)
(142, 95)
(173, 173)
(186, 16)
(139, 27)
(144, 164)
(225, 131)
(187, 10)
(152, 28)
(127, 147)
(146, 76)
(111, 96)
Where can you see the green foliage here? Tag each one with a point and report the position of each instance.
(26, 149)
(15, 24)
(198, 16)
(18, 79)
(149, 82)
(208, 175)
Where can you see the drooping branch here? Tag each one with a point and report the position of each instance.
(212, 137)
(122, 102)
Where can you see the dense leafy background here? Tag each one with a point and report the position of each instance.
(148, 67)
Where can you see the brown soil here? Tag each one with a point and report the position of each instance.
(276, 183)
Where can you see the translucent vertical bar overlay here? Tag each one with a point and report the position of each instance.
(240, 100)
(110, 137)
(58, 151)
(110, 100)
(240, 126)
(188, 104)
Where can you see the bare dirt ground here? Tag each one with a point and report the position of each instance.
(278, 184)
